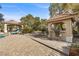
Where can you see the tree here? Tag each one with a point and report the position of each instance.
(32, 23)
(37, 23)
(1, 17)
(54, 8)
(70, 7)
(27, 21)
(43, 26)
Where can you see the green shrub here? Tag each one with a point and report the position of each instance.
(27, 30)
(75, 45)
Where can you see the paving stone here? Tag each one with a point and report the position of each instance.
(20, 45)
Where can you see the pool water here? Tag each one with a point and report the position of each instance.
(2, 35)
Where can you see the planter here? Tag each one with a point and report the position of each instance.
(74, 50)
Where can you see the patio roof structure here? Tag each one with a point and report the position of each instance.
(10, 22)
(66, 19)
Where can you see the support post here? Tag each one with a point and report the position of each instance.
(68, 32)
(5, 28)
(51, 31)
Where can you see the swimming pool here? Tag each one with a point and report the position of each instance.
(2, 35)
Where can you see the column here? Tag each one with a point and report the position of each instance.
(51, 31)
(5, 28)
(68, 31)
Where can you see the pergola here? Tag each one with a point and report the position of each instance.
(11, 22)
(66, 19)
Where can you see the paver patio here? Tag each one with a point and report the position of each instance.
(22, 45)
(63, 47)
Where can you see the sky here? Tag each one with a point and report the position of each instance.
(14, 11)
